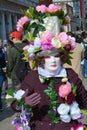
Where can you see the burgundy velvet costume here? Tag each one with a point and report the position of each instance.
(41, 119)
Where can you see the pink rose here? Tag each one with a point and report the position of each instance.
(54, 8)
(26, 47)
(46, 46)
(19, 128)
(47, 37)
(63, 37)
(65, 89)
(72, 42)
(22, 21)
(41, 8)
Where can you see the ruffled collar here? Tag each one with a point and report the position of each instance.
(61, 72)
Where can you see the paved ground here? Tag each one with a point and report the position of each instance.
(8, 114)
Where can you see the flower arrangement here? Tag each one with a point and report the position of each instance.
(48, 41)
(32, 23)
(21, 120)
(34, 17)
(69, 109)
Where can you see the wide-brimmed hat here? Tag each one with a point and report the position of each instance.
(32, 23)
(48, 52)
(49, 43)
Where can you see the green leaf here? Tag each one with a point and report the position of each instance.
(52, 114)
(30, 12)
(37, 50)
(28, 107)
(41, 28)
(21, 102)
(84, 112)
(53, 103)
(56, 120)
(26, 59)
(25, 52)
(53, 95)
(52, 83)
(10, 91)
(33, 64)
(74, 88)
(30, 36)
(10, 100)
(54, 117)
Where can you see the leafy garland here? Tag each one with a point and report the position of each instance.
(52, 95)
(54, 101)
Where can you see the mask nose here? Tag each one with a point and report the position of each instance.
(53, 59)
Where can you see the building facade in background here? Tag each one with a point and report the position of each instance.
(10, 12)
(71, 6)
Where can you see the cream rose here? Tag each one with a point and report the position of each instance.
(56, 42)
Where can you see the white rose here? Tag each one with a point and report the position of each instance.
(31, 49)
(37, 42)
(65, 118)
(74, 104)
(56, 42)
(63, 109)
(18, 95)
(75, 111)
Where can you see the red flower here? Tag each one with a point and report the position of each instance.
(70, 98)
(78, 127)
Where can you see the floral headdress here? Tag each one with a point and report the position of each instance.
(33, 23)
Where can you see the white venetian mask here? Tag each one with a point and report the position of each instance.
(52, 63)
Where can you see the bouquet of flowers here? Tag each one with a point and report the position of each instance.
(69, 109)
(21, 120)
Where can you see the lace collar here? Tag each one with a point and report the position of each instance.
(61, 72)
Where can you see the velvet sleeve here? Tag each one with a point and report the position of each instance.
(27, 83)
(81, 93)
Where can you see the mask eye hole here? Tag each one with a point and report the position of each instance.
(46, 57)
(57, 55)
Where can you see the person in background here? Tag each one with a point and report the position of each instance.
(84, 40)
(78, 36)
(24, 39)
(76, 58)
(84, 61)
(5, 44)
(2, 74)
(13, 56)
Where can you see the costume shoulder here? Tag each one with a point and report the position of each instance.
(73, 77)
(71, 72)
(30, 80)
